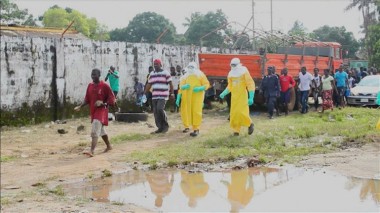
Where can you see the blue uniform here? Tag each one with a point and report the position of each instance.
(271, 89)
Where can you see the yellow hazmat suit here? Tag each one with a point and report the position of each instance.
(193, 186)
(239, 81)
(192, 101)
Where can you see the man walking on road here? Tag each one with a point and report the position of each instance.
(304, 80)
(161, 83)
(98, 96)
(287, 84)
(271, 89)
(341, 78)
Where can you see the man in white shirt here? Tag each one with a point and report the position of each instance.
(304, 80)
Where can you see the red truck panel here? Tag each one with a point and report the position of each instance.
(218, 65)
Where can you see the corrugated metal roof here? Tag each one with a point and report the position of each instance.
(26, 31)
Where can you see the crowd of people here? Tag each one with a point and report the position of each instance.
(332, 87)
(189, 92)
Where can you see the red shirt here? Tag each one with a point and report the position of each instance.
(285, 81)
(100, 91)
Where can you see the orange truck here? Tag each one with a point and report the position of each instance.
(323, 55)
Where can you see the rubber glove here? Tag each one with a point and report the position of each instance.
(178, 100)
(199, 89)
(251, 96)
(224, 93)
(185, 87)
(143, 99)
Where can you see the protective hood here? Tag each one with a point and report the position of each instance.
(237, 69)
(192, 69)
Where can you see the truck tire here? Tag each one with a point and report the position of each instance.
(131, 117)
(292, 101)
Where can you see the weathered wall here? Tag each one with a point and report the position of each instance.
(52, 73)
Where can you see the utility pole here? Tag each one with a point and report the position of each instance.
(271, 17)
(253, 26)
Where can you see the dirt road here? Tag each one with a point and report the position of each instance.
(40, 156)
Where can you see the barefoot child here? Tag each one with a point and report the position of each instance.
(99, 96)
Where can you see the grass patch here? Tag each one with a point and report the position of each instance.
(90, 176)
(58, 190)
(82, 144)
(4, 159)
(5, 201)
(117, 203)
(285, 139)
(106, 173)
(129, 137)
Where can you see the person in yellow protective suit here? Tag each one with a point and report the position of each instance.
(240, 190)
(239, 81)
(193, 186)
(190, 97)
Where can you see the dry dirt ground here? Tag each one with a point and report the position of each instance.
(40, 155)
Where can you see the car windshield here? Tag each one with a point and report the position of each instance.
(370, 82)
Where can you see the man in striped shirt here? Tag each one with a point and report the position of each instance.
(162, 88)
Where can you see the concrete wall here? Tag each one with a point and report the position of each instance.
(55, 72)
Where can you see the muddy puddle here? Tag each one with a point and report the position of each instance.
(246, 190)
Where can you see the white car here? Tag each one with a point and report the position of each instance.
(365, 92)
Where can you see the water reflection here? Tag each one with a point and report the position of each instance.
(368, 188)
(240, 189)
(257, 189)
(193, 186)
(161, 183)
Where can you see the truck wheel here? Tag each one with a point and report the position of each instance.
(292, 99)
(131, 117)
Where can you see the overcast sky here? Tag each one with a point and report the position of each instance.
(117, 13)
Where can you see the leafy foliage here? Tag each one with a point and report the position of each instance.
(61, 18)
(298, 29)
(370, 10)
(146, 27)
(374, 41)
(340, 35)
(11, 14)
(200, 25)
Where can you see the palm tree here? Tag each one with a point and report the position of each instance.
(193, 17)
(368, 9)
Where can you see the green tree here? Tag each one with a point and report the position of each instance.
(369, 9)
(98, 31)
(58, 17)
(118, 34)
(212, 24)
(146, 27)
(340, 35)
(11, 14)
(298, 29)
(80, 22)
(193, 17)
(374, 41)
